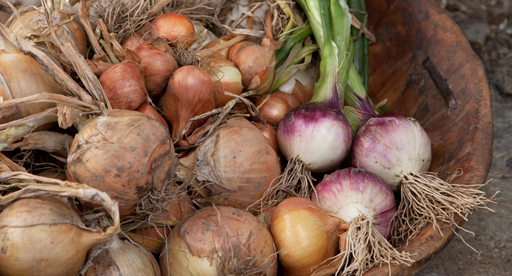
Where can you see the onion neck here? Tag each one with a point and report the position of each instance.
(5, 44)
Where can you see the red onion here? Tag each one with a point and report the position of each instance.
(351, 192)
(316, 133)
(390, 146)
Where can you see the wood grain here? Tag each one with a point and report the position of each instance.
(426, 69)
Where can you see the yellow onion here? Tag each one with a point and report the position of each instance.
(123, 153)
(124, 86)
(122, 258)
(188, 94)
(148, 109)
(274, 106)
(226, 78)
(157, 60)
(256, 62)
(70, 32)
(219, 241)
(44, 236)
(178, 29)
(146, 33)
(21, 76)
(235, 166)
(305, 251)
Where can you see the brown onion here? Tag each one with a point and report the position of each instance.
(219, 241)
(43, 236)
(189, 94)
(270, 133)
(70, 32)
(274, 106)
(21, 76)
(122, 258)
(124, 86)
(226, 78)
(148, 109)
(303, 93)
(146, 33)
(158, 63)
(178, 29)
(123, 153)
(305, 251)
(256, 62)
(221, 54)
(4, 17)
(235, 166)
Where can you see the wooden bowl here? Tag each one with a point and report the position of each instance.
(424, 66)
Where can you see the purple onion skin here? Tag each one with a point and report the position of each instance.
(319, 135)
(350, 192)
(391, 145)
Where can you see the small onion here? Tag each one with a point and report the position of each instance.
(226, 78)
(123, 153)
(270, 133)
(351, 192)
(235, 166)
(219, 241)
(188, 94)
(148, 110)
(305, 236)
(158, 63)
(178, 29)
(122, 258)
(43, 236)
(390, 146)
(273, 107)
(124, 86)
(146, 33)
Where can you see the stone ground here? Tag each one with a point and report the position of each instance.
(488, 26)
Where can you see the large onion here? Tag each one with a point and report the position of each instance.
(70, 32)
(123, 153)
(122, 258)
(22, 76)
(219, 241)
(45, 237)
(235, 166)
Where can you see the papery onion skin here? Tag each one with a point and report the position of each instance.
(189, 94)
(349, 193)
(319, 135)
(305, 236)
(43, 236)
(390, 145)
(123, 153)
(236, 165)
(219, 241)
(158, 63)
(124, 86)
(178, 29)
(148, 109)
(71, 32)
(122, 258)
